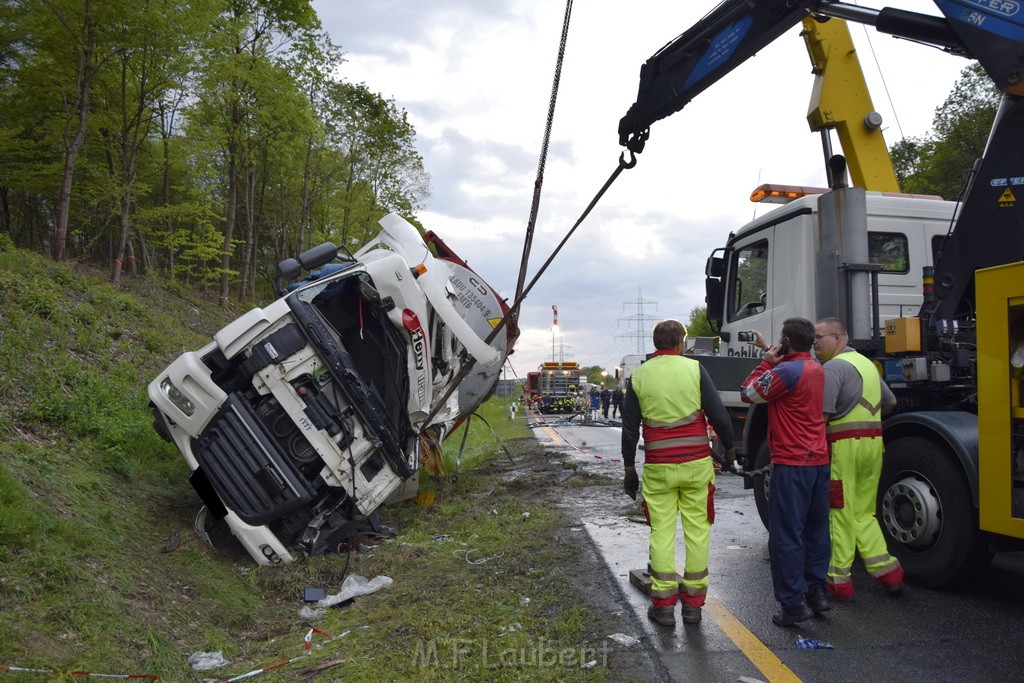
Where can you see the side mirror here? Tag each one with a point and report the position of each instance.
(714, 298)
(311, 259)
(289, 269)
(715, 266)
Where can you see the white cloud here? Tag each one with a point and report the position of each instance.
(475, 78)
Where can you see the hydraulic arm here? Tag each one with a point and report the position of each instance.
(991, 32)
(992, 219)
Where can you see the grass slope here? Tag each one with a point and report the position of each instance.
(101, 571)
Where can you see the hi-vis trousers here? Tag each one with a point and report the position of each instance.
(857, 464)
(671, 490)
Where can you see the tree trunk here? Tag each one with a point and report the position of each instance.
(129, 258)
(260, 213)
(166, 125)
(229, 224)
(146, 265)
(86, 73)
(123, 245)
(306, 200)
(5, 210)
(247, 250)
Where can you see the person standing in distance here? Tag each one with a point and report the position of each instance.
(673, 398)
(792, 384)
(855, 400)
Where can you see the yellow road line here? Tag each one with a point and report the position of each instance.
(551, 433)
(757, 652)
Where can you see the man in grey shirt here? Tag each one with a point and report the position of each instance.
(855, 400)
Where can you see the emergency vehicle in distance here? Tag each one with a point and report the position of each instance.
(300, 415)
(629, 363)
(554, 387)
(931, 290)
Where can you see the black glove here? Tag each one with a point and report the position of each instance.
(730, 460)
(631, 482)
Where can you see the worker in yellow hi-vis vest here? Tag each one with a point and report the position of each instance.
(855, 400)
(673, 398)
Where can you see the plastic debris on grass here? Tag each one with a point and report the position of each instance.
(204, 661)
(352, 587)
(623, 639)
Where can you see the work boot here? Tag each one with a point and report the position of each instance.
(894, 589)
(792, 615)
(817, 600)
(662, 616)
(844, 593)
(691, 614)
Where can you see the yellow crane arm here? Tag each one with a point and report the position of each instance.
(840, 100)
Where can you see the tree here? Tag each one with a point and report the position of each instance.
(697, 325)
(147, 41)
(595, 374)
(941, 162)
(384, 171)
(216, 136)
(241, 64)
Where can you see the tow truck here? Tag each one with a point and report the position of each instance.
(301, 418)
(932, 290)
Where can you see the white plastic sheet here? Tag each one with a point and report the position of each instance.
(353, 587)
(204, 661)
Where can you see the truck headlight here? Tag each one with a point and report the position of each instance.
(180, 400)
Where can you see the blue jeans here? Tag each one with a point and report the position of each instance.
(798, 533)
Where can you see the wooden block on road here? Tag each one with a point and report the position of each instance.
(640, 579)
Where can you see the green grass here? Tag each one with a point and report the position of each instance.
(101, 569)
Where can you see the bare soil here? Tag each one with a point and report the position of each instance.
(549, 477)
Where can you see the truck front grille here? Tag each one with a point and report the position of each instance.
(243, 462)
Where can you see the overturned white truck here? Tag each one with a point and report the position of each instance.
(301, 415)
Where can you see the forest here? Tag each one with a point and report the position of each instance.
(202, 140)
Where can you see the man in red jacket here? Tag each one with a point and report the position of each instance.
(792, 384)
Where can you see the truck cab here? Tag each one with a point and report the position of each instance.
(760, 277)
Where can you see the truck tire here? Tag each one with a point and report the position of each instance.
(927, 516)
(762, 482)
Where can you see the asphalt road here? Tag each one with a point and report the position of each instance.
(974, 634)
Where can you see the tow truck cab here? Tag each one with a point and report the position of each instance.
(783, 265)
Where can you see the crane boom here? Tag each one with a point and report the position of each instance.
(725, 38)
(991, 32)
(840, 100)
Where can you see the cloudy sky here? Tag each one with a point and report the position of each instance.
(475, 77)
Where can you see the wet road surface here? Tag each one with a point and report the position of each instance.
(974, 634)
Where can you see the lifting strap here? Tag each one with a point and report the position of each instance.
(624, 163)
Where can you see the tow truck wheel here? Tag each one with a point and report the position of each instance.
(927, 516)
(762, 482)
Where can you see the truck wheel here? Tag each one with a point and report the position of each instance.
(762, 482)
(928, 518)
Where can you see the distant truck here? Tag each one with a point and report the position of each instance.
(531, 392)
(555, 387)
(629, 363)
